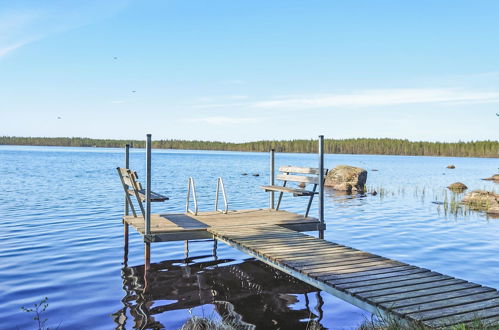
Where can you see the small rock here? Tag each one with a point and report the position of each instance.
(457, 186)
(302, 185)
(256, 174)
(495, 177)
(374, 193)
(451, 167)
(244, 173)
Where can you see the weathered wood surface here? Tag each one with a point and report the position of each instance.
(301, 170)
(387, 286)
(182, 226)
(294, 191)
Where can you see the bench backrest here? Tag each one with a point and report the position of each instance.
(312, 174)
(130, 178)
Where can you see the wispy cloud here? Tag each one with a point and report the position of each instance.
(21, 24)
(222, 120)
(382, 97)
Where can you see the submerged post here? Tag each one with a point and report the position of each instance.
(272, 180)
(148, 185)
(147, 252)
(321, 186)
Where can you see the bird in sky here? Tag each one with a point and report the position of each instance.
(59, 118)
(133, 91)
(115, 57)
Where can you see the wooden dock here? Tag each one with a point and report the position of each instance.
(380, 285)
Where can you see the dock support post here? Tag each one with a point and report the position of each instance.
(127, 165)
(321, 187)
(272, 179)
(127, 207)
(148, 202)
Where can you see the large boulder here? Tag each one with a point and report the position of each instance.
(347, 178)
(482, 200)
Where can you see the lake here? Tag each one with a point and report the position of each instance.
(61, 237)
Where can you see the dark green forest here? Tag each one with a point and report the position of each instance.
(343, 146)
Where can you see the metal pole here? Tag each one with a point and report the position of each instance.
(127, 164)
(321, 186)
(148, 185)
(272, 174)
(127, 206)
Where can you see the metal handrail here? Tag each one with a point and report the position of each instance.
(220, 183)
(189, 185)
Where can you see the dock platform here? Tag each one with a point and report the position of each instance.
(186, 226)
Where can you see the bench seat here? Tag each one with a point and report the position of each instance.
(294, 191)
(155, 197)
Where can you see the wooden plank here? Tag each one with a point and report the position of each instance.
(399, 278)
(455, 310)
(359, 267)
(409, 288)
(298, 178)
(318, 258)
(465, 317)
(436, 297)
(448, 302)
(380, 277)
(421, 292)
(330, 278)
(301, 170)
(340, 261)
(400, 284)
(294, 191)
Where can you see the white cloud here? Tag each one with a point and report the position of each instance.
(382, 97)
(222, 120)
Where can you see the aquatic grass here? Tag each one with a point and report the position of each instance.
(205, 323)
(38, 310)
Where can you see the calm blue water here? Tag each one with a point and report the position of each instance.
(61, 237)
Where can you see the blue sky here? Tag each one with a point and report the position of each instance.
(248, 70)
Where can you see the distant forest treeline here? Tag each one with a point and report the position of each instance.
(346, 146)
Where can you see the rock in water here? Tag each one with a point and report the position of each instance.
(457, 186)
(482, 200)
(451, 166)
(495, 178)
(347, 178)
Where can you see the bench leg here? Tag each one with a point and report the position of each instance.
(309, 205)
(279, 201)
(310, 201)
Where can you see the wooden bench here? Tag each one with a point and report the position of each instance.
(132, 187)
(308, 175)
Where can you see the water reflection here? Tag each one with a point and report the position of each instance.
(249, 294)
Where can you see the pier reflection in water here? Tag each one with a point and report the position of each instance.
(249, 294)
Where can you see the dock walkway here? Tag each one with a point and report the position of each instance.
(371, 282)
